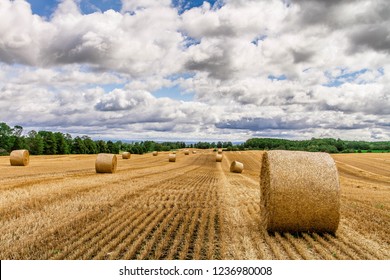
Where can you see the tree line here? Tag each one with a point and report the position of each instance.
(328, 145)
(52, 143)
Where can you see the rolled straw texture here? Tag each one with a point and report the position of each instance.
(299, 192)
(186, 152)
(155, 153)
(218, 158)
(219, 151)
(236, 167)
(194, 152)
(106, 163)
(172, 157)
(19, 157)
(126, 155)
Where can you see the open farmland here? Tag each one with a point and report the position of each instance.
(194, 208)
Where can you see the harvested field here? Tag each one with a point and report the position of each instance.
(57, 207)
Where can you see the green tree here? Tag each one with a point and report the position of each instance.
(78, 146)
(49, 140)
(19, 143)
(112, 148)
(61, 143)
(101, 146)
(90, 145)
(35, 143)
(6, 139)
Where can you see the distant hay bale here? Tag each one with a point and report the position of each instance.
(155, 153)
(106, 163)
(20, 157)
(174, 152)
(186, 152)
(126, 155)
(172, 157)
(236, 167)
(299, 192)
(218, 158)
(219, 151)
(194, 152)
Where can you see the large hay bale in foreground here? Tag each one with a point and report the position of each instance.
(106, 163)
(299, 192)
(218, 158)
(236, 167)
(19, 157)
(172, 157)
(186, 152)
(155, 153)
(126, 155)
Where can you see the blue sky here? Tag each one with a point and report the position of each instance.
(192, 70)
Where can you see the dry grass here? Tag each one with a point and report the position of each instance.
(59, 208)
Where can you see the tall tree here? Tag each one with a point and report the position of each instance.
(61, 143)
(35, 143)
(78, 146)
(112, 148)
(90, 145)
(101, 146)
(6, 140)
(50, 145)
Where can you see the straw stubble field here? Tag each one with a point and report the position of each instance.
(194, 208)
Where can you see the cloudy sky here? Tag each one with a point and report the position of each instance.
(197, 71)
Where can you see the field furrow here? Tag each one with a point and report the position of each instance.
(194, 208)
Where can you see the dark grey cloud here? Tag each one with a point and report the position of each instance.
(160, 127)
(305, 122)
(76, 50)
(378, 104)
(326, 2)
(302, 56)
(315, 12)
(374, 37)
(329, 14)
(256, 124)
(218, 66)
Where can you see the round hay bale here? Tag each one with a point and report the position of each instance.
(106, 163)
(126, 155)
(174, 152)
(19, 157)
(299, 192)
(218, 158)
(194, 152)
(172, 157)
(155, 153)
(236, 167)
(186, 152)
(219, 151)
